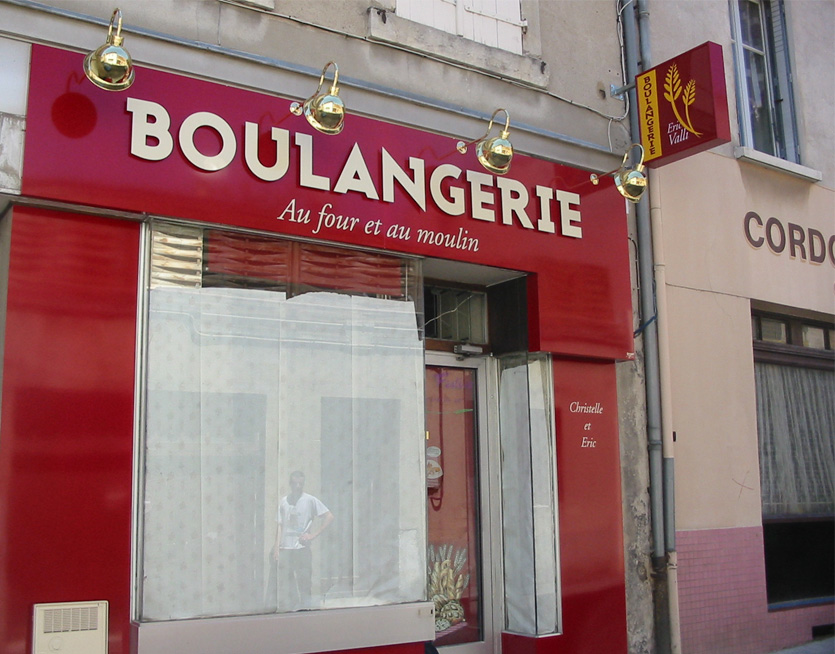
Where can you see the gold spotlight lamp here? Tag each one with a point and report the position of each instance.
(495, 153)
(110, 67)
(630, 182)
(325, 111)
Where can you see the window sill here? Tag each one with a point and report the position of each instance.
(290, 633)
(385, 27)
(268, 5)
(775, 163)
(793, 355)
(799, 604)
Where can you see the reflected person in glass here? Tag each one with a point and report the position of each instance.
(297, 513)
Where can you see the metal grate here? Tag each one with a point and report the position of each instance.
(456, 315)
(70, 628)
(66, 620)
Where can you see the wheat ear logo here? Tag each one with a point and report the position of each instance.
(673, 91)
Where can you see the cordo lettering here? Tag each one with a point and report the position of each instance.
(805, 244)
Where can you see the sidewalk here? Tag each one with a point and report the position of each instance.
(826, 646)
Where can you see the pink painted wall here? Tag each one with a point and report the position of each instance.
(722, 596)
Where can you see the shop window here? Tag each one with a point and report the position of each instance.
(798, 560)
(765, 97)
(496, 23)
(265, 357)
(795, 384)
(454, 314)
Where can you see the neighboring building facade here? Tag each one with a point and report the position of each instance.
(745, 236)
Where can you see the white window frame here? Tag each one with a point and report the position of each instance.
(777, 63)
(468, 15)
(488, 449)
(385, 25)
(290, 633)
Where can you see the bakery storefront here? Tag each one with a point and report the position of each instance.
(207, 296)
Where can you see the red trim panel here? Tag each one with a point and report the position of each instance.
(66, 437)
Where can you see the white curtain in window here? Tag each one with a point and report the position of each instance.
(528, 495)
(796, 421)
(245, 386)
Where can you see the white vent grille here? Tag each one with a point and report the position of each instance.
(70, 628)
(80, 618)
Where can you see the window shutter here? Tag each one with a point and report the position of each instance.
(781, 81)
(176, 256)
(193, 257)
(496, 23)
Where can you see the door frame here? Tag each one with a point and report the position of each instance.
(488, 456)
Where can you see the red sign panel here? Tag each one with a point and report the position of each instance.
(683, 105)
(187, 148)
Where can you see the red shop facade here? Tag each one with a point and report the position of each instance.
(205, 296)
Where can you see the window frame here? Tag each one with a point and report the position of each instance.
(779, 72)
(793, 353)
(459, 11)
(305, 632)
(434, 338)
(489, 494)
(385, 26)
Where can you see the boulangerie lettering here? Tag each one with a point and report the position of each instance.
(499, 200)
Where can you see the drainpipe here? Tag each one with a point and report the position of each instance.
(647, 301)
(668, 465)
(667, 436)
(652, 276)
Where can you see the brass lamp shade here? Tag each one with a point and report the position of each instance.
(110, 67)
(630, 182)
(495, 153)
(325, 111)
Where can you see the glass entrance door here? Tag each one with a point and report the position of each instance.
(458, 556)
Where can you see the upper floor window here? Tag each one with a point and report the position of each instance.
(766, 107)
(496, 23)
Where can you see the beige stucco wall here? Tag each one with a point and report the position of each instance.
(812, 24)
(717, 472)
(713, 273)
(704, 202)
